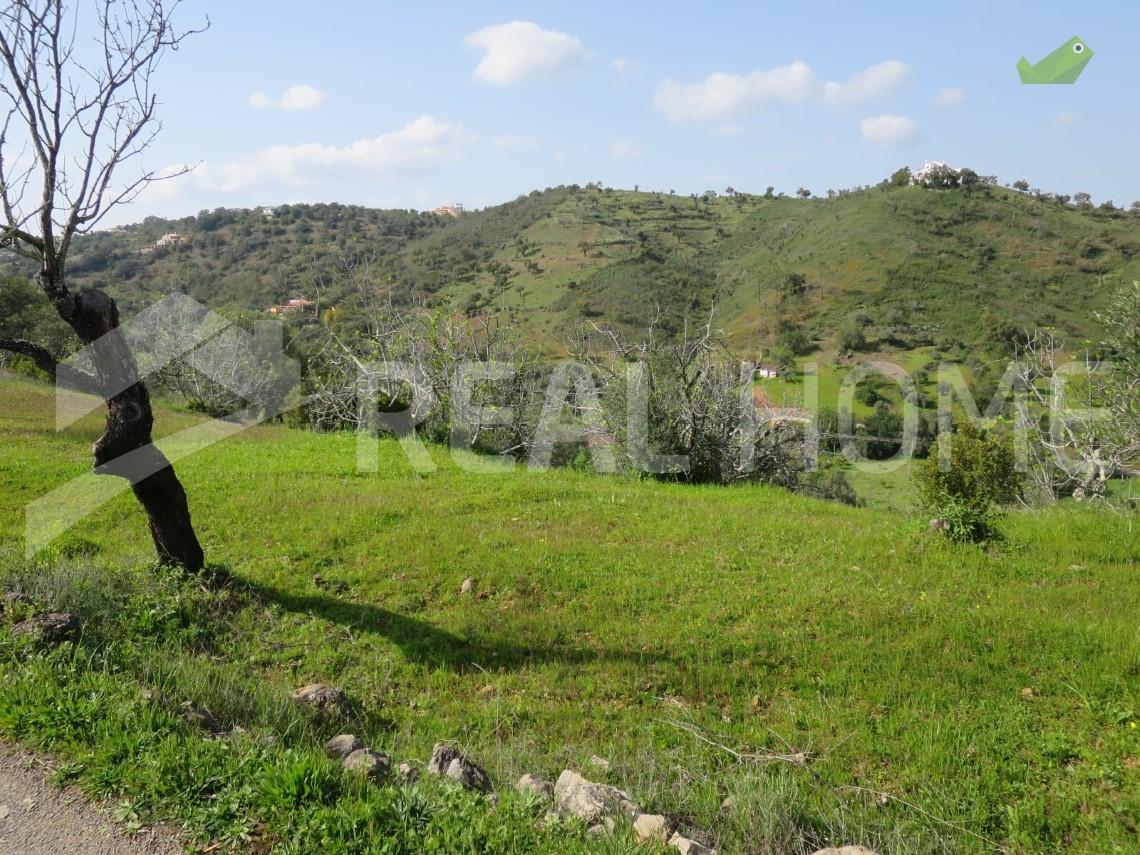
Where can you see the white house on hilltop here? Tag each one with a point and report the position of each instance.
(931, 168)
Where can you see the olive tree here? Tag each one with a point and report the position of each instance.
(76, 113)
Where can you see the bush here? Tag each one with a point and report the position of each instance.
(831, 485)
(884, 433)
(967, 497)
(795, 341)
(852, 339)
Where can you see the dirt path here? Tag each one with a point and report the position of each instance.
(38, 819)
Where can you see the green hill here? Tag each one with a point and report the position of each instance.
(913, 266)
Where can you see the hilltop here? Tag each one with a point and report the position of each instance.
(911, 266)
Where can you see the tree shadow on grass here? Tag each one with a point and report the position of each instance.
(427, 644)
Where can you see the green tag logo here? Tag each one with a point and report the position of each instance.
(1064, 65)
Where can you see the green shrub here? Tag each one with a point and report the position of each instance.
(884, 435)
(967, 497)
(852, 338)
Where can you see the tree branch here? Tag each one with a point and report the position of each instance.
(41, 356)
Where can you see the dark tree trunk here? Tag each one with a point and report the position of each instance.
(125, 449)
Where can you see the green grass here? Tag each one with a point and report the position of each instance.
(615, 610)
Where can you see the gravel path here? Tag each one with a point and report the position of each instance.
(38, 819)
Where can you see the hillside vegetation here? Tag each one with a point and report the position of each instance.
(909, 265)
(947, 698)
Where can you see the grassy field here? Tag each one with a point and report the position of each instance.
(950, 698)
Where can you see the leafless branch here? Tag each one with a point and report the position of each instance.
(796, 758)
(82, 117)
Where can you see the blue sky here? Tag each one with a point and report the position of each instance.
(425, 103)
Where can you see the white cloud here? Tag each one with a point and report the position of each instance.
(522, 50)
(874, 82)
(421, 145)
(293, 99)
(889, 130)
(301, 98)
(725, 96)
(1065, 120)
(513, 141)
(952, 96)
(625, 149)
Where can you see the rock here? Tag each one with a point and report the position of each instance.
(937, 524)
(11, 599)
(652, 827)
(449, 761)
(52, 627)
(371, 764)
(341, 746)
(728, 804)
(198, 717)
(327, 700)
(575, 796)
(605, 825)
(689, 847)
(468, 586)
(534, 784)
(600, 763)
(847, 850)
(406, 773)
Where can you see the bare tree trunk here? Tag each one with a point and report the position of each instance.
(79, 122)
(130, 420)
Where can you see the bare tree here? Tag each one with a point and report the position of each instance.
(1078, 436)
(77, 111)
(432, 350)
(700, 403)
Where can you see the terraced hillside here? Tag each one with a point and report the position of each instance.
(913, 267)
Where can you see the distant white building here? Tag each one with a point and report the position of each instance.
(449, 210)
(170, 239)
(932, 168)
(768, 372)
(300, 305)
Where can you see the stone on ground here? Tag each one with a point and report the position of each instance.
(652, 827)
(689, 847)
(450, 762)
(53, 627)
(342, 745)
(535, 784)
(575, 796)
(327, 700)
(371, 764)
